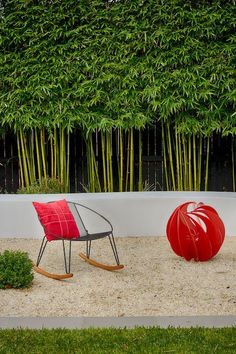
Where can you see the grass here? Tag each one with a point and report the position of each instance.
(138, 340)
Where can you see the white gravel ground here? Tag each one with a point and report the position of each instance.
(154, 282)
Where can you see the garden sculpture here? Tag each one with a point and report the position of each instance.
(195, 231)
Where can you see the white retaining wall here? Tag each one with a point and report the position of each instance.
(132, 214)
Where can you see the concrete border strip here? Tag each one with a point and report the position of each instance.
(117, 322)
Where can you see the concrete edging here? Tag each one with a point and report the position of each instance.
(117, 322)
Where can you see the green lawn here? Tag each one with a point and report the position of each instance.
(138, 340)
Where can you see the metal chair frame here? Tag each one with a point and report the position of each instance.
(88, 238)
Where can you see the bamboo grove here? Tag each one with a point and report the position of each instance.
(111, 70)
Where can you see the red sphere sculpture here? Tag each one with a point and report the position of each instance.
(195, 231)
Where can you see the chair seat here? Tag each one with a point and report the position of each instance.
(94, 236)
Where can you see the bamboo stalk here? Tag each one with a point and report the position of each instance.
(194, 163)
(121, 172)
(164, 155)
(22, 184)
(131, 178)
(200, 163)
(75, 163)
(28, 158)
(104, 163)
(140, 162)
(127, 163)
(91, 169)
(62, 148)
(67, 189)
(84, 163)
(38, 158)
(31, 156)
(24, 162)
(56, 168)
(117, 152)
(180, 162)
(190, 184)
(177, 160)
(52, 154)
(169, 146)
(207, 163)
(233, 163)
(185, 172)
(93, 177)
(97, 185)
(42, 143)
(89, 162)
(110, 160)
(108, 163)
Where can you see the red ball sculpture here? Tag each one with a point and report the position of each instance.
(195, 231)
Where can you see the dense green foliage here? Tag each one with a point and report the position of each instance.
(15, 269)
(118, 64)
(112, 68)
(138, 340)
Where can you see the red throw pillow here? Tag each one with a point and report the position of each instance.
(57, 219)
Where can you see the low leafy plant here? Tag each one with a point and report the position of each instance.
(15, 269)
(45, 186)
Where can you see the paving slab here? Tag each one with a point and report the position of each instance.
(117, 322)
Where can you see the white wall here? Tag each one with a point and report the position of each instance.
(132, 214)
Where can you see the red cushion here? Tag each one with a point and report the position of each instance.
(57, 219)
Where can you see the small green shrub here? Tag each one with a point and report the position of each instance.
(16, 269)
(45, 186)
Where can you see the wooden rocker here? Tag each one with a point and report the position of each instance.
(62, 220)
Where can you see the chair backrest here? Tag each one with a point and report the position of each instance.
(77, 217)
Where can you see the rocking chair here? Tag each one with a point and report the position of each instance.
(62, 220)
